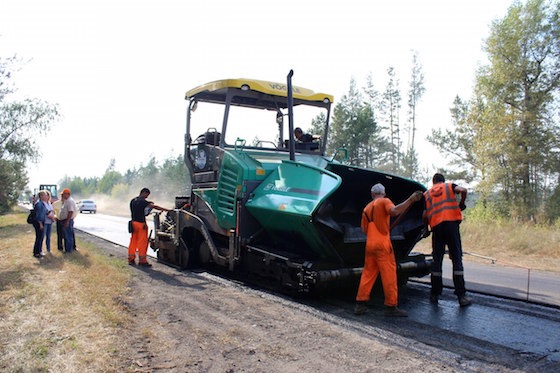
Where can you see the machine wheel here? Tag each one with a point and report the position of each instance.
(185, 255)
(204, 253)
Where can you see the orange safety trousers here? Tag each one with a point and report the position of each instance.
(379, 261)
(138, 241)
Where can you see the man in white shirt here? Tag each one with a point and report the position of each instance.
(66, 218)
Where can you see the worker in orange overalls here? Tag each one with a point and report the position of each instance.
(139, 208)
(379, 257)
(443, 214)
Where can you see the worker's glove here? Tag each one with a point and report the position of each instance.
(462, 206)
(425, 232)
(417, 196)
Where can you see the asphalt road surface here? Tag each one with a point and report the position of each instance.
(491, 279)
(490, 324)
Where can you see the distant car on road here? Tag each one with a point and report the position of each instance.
(87, 205)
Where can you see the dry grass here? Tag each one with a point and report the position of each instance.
(510, 244)
(61, 313)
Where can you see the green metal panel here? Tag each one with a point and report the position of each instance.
(285, 201)
(237, 166)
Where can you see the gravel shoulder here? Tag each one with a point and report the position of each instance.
(188, 321)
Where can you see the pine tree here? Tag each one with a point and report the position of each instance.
(391, 108)
(415, 92)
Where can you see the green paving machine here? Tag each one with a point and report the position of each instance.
(265, 204)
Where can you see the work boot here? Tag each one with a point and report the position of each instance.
(132, 263)
(395, 312)
(434, 299)
(145, 264)
(360, 308)
(464, 301)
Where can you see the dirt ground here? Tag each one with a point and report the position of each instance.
(196, 322)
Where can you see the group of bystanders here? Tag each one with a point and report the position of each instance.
(62, 213)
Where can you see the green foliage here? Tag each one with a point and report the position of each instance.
(80, 187)
(552, 207)
(416, 90)
(367, 124)
(457, 144)
(121, 192)
(391, 115)
(506, 136)
(344, 115)
(165, 181)
(410, 164)
(109, 179)
(519, 89)
(12, 180)
(487, 211)
(20, 123)
(175, 171)
(129, 176)
(150, 170)
(354, 127)
(317, 124)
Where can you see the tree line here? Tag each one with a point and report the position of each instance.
(167, 179)
(367, 122)
(504, 138)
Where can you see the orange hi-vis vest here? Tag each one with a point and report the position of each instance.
(441, 204)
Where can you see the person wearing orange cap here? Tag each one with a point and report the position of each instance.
(66, 218)
(139, 208)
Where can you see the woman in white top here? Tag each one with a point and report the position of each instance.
(49, 218)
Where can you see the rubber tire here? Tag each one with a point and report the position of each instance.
(185, 256)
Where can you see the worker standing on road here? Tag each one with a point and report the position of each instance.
(139, 208)
(379, 257)
(443, 214)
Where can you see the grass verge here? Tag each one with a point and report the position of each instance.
(61, 313)
(510, 244)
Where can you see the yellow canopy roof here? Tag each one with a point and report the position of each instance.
(218, 88)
